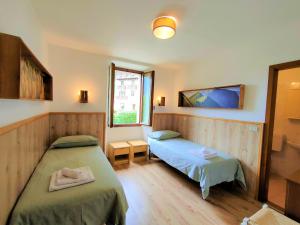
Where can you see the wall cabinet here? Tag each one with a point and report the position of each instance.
(22, 76)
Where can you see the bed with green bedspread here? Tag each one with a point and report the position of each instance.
(96, 203)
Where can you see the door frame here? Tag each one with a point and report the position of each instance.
(269, 126)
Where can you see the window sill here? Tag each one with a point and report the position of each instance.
(127, 125)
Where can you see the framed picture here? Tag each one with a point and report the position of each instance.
(226, 97)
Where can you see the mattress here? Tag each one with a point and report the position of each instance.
(96, 203)
(186, 156)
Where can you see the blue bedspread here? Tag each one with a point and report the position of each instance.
(186, 156)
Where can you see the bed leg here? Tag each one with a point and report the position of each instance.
(149, 154)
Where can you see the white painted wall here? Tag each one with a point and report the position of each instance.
(243, 64)
(18, 18)
(243, 61)
(74, 70)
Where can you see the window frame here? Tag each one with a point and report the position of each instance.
(151, 96)
(113, 70)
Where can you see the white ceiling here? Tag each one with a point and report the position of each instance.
(122, 28)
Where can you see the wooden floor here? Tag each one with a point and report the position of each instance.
(159, 195)
(277, 190)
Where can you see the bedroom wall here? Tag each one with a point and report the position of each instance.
(74, 70)
(245, 63)
(18, 18)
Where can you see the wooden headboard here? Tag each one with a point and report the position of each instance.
(73, 123)
(241, 139)
(22, 145)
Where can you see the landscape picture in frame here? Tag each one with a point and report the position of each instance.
(227, 97)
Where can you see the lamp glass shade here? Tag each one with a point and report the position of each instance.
(84, 96)
(161, 101)
(164, 27)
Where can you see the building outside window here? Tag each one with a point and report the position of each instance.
(134, 101)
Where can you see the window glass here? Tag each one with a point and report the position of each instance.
(127, 103)
(147, 98)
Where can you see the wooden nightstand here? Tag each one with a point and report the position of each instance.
(119, 153)
(138, 150)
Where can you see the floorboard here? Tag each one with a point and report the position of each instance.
(159, 195)
(277, 190)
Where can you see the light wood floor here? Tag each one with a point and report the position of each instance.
(159, 195)
(277, 190)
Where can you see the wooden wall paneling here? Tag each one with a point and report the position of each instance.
(162, 121)
(22, 145)
(72, 123)
(55, 130)
(241, 139)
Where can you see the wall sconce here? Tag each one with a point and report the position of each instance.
(83, 98)
(161, 101)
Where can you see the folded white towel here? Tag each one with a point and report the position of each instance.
(72, 173)
(206, 151)
(210, 155)
(63, 180)
(86, 176)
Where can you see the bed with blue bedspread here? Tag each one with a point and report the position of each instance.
(186, 156)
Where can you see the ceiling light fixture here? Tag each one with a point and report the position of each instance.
(164, 27)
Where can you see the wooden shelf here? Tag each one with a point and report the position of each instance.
(14, 83)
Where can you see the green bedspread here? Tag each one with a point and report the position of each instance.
(96, 203)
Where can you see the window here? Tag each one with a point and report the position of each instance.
(133, 105)
(122, 93)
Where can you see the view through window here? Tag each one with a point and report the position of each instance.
(127, 97)
(131, 97)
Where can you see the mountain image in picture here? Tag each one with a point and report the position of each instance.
(223, 97)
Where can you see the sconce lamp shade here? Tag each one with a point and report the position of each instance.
(84, 96)
(161, 101)
(164, 27)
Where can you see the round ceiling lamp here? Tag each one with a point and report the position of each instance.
(164, 27)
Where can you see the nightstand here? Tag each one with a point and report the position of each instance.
(138, 150)
(119, 153)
